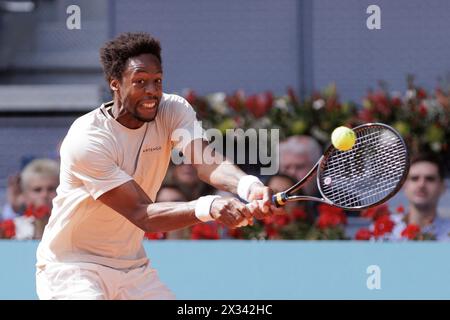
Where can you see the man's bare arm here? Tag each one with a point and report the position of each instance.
(221, 173)
(134, 204)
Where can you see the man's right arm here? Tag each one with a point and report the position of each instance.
(91, 160)
(134, 204)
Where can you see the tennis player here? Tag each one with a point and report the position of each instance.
(113, 161)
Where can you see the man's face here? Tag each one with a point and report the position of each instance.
(170, 195)
(279, 184)
(186, 174)
(297, 166)
(140, 90)
(423, 187)
(40, 191)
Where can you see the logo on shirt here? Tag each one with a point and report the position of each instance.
(151, 149)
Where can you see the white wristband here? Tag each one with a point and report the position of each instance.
(203, 208)
(244, 186)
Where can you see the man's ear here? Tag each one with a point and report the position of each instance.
(114, 84)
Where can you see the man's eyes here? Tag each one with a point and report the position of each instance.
(143, 81)
(429, 179)
(40, 189)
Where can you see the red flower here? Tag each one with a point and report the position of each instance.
(411, 231)
(38, 212)
(363, 234)
(366, 115)
(332, 104)
(190, 96)
(327, 220)
(235, 233)
(378, 98)
(396, 102)
(271, 231)
(155, 235)
(8, 229)
(41, 212)
(236, 101)
(421, 93)
(298, 214)
(280, 219)
(274, 223)
(375, 212)
(423, 110)
(330, 216)
(400, 209)
(329, 208)
(205, 231)
(383, 225)
(316, 96)
(259, 104)
(380, 103)
(292, 96)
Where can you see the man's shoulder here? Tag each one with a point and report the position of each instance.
(171, 98)
(441, 228)
(93, 121)
(90, 127)
(174, 106)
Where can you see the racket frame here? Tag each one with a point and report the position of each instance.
(281, 198)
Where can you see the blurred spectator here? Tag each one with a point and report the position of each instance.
(298, 154)
(185, 177)
(423, 189)
(14, 199)
(420, 220)
(38, 183)
(280, 182)
(39, 180)
(172, 193)
(15, 205)
(169, 193)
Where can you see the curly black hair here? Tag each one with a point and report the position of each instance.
(115, 53)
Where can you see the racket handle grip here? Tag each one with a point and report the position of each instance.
(279, 199)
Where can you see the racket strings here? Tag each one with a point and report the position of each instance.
(368, 172)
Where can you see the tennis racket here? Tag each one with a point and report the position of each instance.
(367, 175)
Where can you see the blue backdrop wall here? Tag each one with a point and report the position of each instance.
(262, 45)
(272, 269)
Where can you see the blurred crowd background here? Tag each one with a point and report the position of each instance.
(303, 67)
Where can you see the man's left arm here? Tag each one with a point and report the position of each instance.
(222, 174)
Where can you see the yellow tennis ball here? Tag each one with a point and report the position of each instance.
(343, 138)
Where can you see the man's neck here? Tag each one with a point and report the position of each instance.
(123, 117)
(421, 217)
(115, 109)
